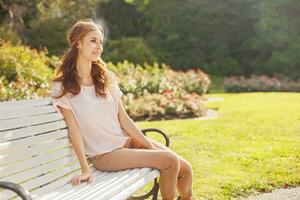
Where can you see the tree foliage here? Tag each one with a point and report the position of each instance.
(225, 37)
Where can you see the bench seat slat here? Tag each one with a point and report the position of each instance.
(119, 183)
(131, 189)
(123, 185)
(48, 192)
(100, 184)
(121, 180)
(68, 191)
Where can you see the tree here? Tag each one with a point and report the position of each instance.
(14, 17)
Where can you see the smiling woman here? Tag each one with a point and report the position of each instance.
(91, 46)
(88, 96)
(82, 64)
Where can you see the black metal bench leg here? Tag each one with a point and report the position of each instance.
(155, 190)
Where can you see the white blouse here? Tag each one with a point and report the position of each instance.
(96, 117)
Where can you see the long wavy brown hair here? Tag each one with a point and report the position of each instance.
(67, 72)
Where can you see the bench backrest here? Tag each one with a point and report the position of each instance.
(35, 150)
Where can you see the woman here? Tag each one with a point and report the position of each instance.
(88, 96)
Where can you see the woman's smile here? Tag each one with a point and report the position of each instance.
(97, 53)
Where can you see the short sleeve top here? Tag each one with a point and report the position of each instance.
(96, 117)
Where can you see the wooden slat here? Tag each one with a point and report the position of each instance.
(118, 184)
(113, 184)
(35, 161)
(40, 170)
(51, 176)
(132, 189)
(33, 151)
(36, 182)
(15, 145)
(63, 188)
(26, 111)
(7, 194)
(99, 184)
(29, 121)
(31, 130)
(25, 142)
(68, 191)
(52, 190)
(4, 105)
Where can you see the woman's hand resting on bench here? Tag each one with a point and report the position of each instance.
(84, 177)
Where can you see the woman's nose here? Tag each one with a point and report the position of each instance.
(99, 45)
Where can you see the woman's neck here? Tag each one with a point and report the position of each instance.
(84, 68)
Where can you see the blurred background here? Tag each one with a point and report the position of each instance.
(222, 37)
(178, 59)
(236, 46)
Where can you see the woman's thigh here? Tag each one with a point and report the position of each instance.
(127, 158)
(158, 145)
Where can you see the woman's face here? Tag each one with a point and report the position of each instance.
(90, 47)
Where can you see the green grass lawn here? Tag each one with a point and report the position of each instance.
(253, 146)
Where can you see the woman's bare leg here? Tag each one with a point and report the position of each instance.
(135, 156)
(185, 178)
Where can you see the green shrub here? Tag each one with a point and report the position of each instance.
(54, 29)
(133, 49)
(24, 72)
(155, 78)
(8, 35)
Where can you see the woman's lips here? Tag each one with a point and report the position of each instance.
(97, 53)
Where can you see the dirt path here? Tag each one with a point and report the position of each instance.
(279, 194)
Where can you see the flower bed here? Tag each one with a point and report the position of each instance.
(164, 106)
(260, 83)
(157, 92)
(150, 91)
(137, 79)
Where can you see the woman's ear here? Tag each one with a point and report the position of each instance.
(79, 45)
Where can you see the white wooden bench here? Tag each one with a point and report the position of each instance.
(37, 159)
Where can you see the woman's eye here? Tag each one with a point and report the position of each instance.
(95, 41)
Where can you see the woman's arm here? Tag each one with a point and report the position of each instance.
(78, 146)
(131, 128)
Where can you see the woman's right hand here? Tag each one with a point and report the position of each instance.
(84, 177)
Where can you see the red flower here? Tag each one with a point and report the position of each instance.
(167, 91)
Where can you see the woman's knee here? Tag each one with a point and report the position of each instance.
(185, 168)
(170, 160)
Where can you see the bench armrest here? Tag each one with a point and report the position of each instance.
(15, 188)
(166, 137)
